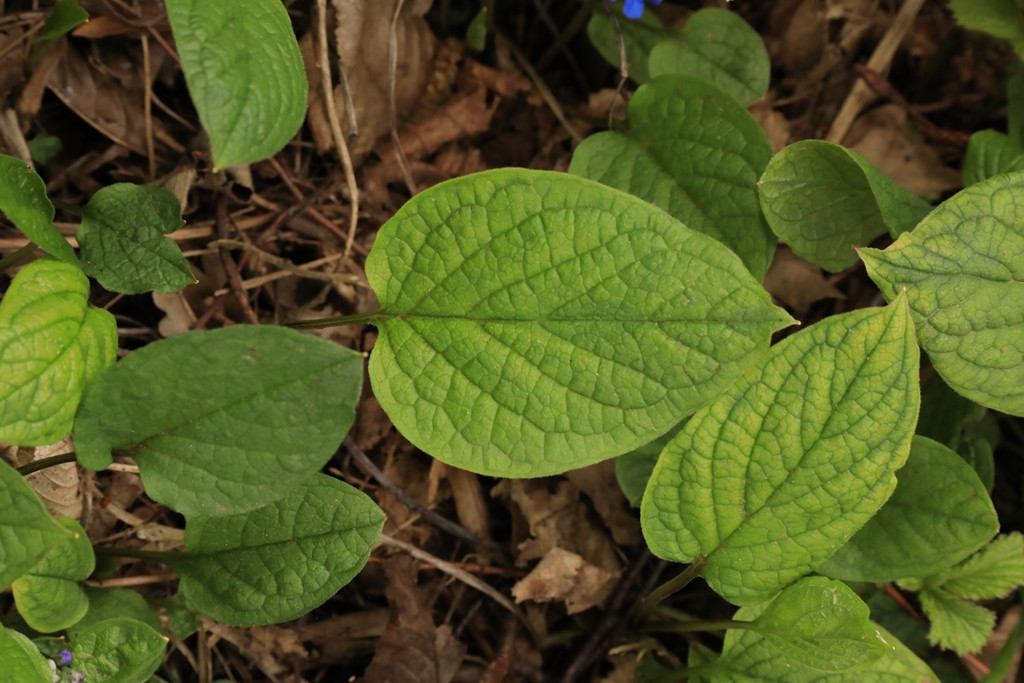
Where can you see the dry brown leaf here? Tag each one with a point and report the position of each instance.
(776, 126)
(796, 282)
(270, 648)
(59, 486)
(883, 138)
(361, 37)
(565, 576)
(412, 649)
(599, 483)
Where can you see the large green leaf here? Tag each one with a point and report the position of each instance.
(50, 597)
(51, 344)
(939, 514)
(224, 421)
(533, 322)
(117, 651)
(816, 630)
(822, 199)
(22, 661)
(716, 46)
(280, 561)
(26, 530)
(694, 152)
(23, 198)
(244, 73)
(773, 477)
(123, 243)
(963, 270)
(111, 603)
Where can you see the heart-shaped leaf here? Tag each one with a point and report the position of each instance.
(694, 152)
(23, 198)
(51, 344)
(989, 153)
(939, 514)
(123, 243)
(244, 73)
(222, 421)
(50, 597)
(26, 530)
(533, 322)
(773, 477)
(280, 561)
(718, 47)
(117, 651)
(638, 36)
(822, 199)
(965, 284)
(815, 630)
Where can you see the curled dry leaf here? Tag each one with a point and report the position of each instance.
(59, 486)
(563, 575)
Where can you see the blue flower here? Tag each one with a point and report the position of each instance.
(65, 657)
(634, 8)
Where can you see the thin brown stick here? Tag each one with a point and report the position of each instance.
(403, 161)
(230, 269)
(147, 106)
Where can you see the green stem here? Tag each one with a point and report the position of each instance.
(339, 321)
(73, 209)
(44, 463)
(17, 257)
(160, 556)
(674, 584)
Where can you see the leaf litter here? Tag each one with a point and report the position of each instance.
(571, 552)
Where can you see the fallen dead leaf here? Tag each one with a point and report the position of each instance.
(565, 576)
(59, 486)
(796, 282)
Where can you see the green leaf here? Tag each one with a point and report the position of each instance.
(533, 322)
(182, 620)
(992, 573)
(633, 469)
(694, 152)
(49, 597)
(939, 514)
(118, 651)
(989, 153)
(956, 624)
(639, 36)
(23, 198)
(962, 425)
(773, 477)
(280, 561)
(244, 73)
(52, 343)
(822, 199)
(22, 661)
(110, 603)
(123, 244)
(26, 530)
(963, 274)
(223, 421)
(44, 148)
(1001, 18)
(718, 47)
(64, 16)
(847, 647)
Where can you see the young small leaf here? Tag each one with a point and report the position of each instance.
(963, 275)
(280, 561)
(117, 651)
(64, 16)
(718, 47)
(694, 152)
(639, 37)
(223, 421)
(123, 244)
(992, 573)
(989, 153)
(244, 73)
(23, 198)
(26, 530)
(796, 456)
(822, 199)
(826, 636)
(52, 343)
(50, 597)
(939, 514)
(956, 624)
(22, 661)
(533, 322)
